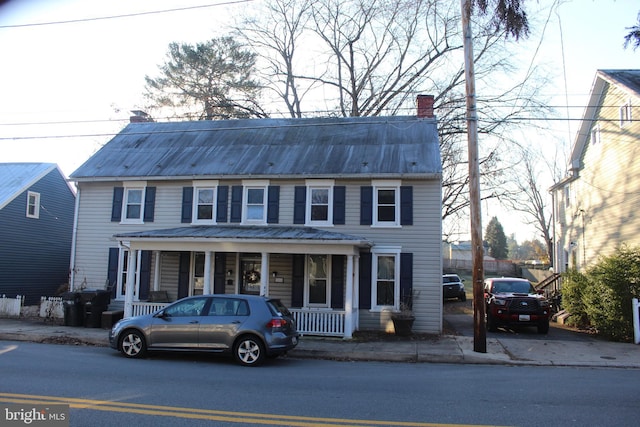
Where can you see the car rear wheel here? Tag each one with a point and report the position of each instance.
(132, 344)
(543, 328)
(249, 351)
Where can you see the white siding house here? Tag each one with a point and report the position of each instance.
(340, 218)
(596, 207)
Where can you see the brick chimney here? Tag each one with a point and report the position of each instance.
(140, 117)
(425, 106)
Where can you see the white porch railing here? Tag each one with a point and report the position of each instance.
(141, 308)
(319, 322)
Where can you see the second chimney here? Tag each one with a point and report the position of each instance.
(425, 106)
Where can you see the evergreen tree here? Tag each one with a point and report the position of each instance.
(496, 239)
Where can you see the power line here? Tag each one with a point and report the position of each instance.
(127, 15)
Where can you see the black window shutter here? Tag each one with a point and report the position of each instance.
(365, 280)
(366, 205)
(406, 279)
(112, 272)
(339, 204)
(183, 274)
(337, 281)
(236, 203)
(299, 204)
(273, 204)
(219, 272)
(223, 203)
(406, 205)
(145, 275)
(187, 204)
(297, 281)
(149, 203)
(116, 207)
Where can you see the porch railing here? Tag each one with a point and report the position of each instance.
(141, 308)
(309, 322)
(319, 322)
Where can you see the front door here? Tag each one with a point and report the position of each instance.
(250, 267)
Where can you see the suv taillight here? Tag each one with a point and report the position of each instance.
(276, 323)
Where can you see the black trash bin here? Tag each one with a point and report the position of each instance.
(73, 309)
(94, 303)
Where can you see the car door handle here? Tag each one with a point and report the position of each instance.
(236, 322)
(194, 321)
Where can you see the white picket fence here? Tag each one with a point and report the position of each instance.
(51, 307)
(10, 307)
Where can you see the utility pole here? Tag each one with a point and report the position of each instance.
(479, 332)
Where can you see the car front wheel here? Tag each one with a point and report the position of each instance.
(249, 351)
(132, 344)
(492, 326)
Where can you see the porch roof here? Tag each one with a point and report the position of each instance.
(245, 238)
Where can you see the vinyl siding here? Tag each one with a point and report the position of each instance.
(35, 252)
(607, 193)
(423, 239)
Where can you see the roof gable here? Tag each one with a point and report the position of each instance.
(328, 147)
(15, 178)
(625, 80)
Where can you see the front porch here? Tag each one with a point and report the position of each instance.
(328, 323)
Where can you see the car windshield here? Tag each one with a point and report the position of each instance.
(516, 286)
(450, 279)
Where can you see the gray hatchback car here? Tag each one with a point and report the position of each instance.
(249, 327)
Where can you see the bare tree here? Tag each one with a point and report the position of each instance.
(633, 37)
(372, 57)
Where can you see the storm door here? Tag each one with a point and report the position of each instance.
(250, 269)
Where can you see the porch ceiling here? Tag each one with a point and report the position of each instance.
(238, 238)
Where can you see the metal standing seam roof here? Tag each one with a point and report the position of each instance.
(225, 232)
(319, 147)
(15, 178)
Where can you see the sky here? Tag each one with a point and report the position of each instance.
(67, 87)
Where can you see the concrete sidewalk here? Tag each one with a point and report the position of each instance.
(435, 349)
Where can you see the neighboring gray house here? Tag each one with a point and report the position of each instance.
(36, 227)
(596, 206)
(340, 218)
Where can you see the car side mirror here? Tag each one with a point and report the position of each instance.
(161, 314)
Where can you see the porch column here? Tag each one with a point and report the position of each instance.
(348, 300)
(156, 271)
(131, 282)
(206, 288)
(356, 292)
(264, 276)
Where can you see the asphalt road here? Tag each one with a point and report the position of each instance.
(106, 389)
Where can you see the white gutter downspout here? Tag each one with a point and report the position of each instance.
(74, 236)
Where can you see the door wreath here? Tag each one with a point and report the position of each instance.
(252, 277)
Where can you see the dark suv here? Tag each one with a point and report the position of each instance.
(514, 302)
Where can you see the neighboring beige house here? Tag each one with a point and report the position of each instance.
(597, 207)
(340, 218)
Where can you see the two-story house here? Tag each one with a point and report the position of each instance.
(36, 223)
(596, 207)
(340, 218)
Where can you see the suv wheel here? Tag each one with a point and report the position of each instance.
(463, 297)
(543, 328)
(492, 326)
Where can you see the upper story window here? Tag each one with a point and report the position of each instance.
(204, 202)
(386, 203)
(595, 134)
(625, 114)
(567, 195)
(255, 202)
(33, 205)
(134, 203)
(319, 209)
